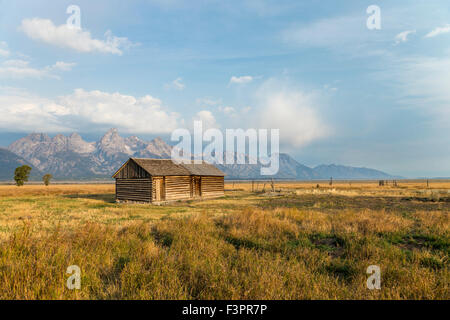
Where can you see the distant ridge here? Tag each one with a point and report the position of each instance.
(10, 161)
(72, 158)
(354, 173)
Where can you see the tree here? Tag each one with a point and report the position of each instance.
(46, 178)
(21, 175)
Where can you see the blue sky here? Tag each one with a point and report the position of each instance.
(338, 92)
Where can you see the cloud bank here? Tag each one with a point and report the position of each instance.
(20, 69)
(292, 111)
(45, 31)
(84, 110)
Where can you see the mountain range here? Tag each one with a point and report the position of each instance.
(10, 161)
(70, 157)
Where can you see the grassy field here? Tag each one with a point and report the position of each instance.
(302, 241)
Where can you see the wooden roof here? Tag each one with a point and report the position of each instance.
(161, 167)
(166, 167)
(203, 169)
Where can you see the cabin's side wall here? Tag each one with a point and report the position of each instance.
(212, 186)
(177, 188)
(137, 189)
(133, 183)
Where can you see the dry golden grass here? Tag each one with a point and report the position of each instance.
(293, 244)
(55, 189)
(349, 188)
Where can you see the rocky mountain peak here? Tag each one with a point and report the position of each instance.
(77, 144)
(111, 136)
(158, 140)
(159, 147)
(112, 143)
(59, 138)
(75, 136)
(37, 137)
(133, 139)
(111, 133)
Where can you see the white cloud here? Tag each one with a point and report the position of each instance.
(15, 63)
(207, 118)
(20, 69)
(176, 84)
(63, 66)
(292, 111)
(208, 101)
(85, 110)
(4, 50)
(24, 112)
(438, 31)
(241, 80)
(65, 37)
(228, 110)
(403, 36)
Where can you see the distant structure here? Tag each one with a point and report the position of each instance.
(161, 180)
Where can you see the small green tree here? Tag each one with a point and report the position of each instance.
(46, 178)
(21, 174)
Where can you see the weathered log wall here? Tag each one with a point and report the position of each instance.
(177, 188)
(212, 187)
(134, 190)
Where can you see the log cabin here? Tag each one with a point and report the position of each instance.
(162, 180)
